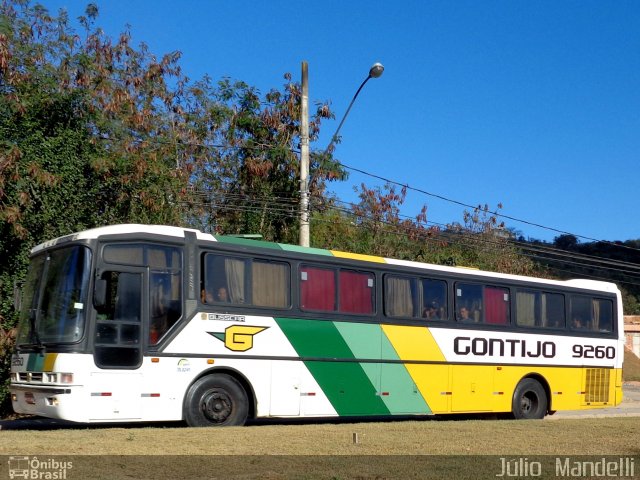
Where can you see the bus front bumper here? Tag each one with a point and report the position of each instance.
(42, 400)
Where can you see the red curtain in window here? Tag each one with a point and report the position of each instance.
(496, 305)
(318, 291)
(356, 295)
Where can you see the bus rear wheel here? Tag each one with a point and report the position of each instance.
(216, 400)
(529, 400)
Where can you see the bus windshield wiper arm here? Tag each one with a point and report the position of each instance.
(34, 331)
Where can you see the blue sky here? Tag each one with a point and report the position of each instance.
(535, 105)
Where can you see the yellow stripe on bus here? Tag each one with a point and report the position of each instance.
(357, 256)
(417, 343)
(413, 343)
(49, 360)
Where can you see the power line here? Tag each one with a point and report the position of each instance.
(265, 147)
(453, 238)
(287, 207)
(542, 249)
(468, 241)
(498, 214)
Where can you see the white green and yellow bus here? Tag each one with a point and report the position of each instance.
(153, 323)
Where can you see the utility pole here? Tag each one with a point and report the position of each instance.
(304, 158)
(374, 72)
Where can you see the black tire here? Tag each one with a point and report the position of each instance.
(214, 401)
(529, 400)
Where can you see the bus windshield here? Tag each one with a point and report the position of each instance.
(55, 297)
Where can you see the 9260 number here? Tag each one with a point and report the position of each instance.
(589, 351)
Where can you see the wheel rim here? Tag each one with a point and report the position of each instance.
(528, 403)
(216, 405)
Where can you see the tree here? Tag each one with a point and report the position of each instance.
(372, 226)
(484, 242)
(566, 241)
(95, 131)
(250, 183)
(89, 133)
(375, 226)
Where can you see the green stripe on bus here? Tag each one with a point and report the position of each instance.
(391, 380)
(344, 382)
(404, 396)
(247, 242)
(35, 362)
(364, 342)
(299, 249)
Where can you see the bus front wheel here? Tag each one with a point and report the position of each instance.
(216, 400)
(529, 400)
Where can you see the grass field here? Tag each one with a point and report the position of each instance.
(406, 449)
(400, 449)
(615, 436)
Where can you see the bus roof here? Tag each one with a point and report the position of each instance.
(180, 232)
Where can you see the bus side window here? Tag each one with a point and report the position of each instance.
(536, 309)
(603, 315)
(225, 279)
(580, 312)
(497, 305)
(399, 295)
(270, 284)
(317, 288)
(468, 303)
(434, 297)
(356, 292)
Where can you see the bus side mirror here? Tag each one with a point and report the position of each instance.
(100, 293)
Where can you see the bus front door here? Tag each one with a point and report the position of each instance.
(121, 306)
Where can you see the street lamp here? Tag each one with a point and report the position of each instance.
(374, 72)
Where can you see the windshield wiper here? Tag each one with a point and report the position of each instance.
(34, 331)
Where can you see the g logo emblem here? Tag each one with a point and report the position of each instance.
(238, 338)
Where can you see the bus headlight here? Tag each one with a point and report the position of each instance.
(66, 378)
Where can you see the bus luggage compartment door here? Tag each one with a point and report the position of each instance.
(115, 396)
(285, 388)
(472, 388)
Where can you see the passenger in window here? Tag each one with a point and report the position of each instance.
(555, 323)
(206, 296)
(577, 323)
(432, 312)
(464, 315)
(223, 296)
